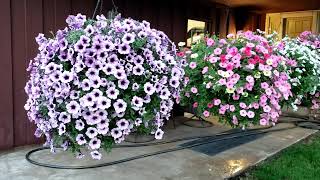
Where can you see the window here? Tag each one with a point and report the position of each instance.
(196, 30)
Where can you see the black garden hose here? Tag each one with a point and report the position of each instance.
(210, 139)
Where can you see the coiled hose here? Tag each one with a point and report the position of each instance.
(298, 121)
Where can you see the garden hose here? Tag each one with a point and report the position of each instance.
(210, 139)
(303, 122)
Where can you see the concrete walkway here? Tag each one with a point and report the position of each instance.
(207, 162)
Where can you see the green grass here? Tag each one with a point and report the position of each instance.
(298, 162)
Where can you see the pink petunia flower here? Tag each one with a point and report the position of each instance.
(193, 65)
(194, 90)
(263, 122)
(206, 113)
(217, 102)
(210, 42)
(243, 113)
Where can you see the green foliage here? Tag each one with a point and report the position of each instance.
(43, 110)
(89, 22)
(139, 43)
(74, 36)
(143, 130)
(107, 143)
(66, 65)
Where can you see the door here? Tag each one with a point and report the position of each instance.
(293, 26)
(273, 23)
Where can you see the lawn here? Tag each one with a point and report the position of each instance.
(298, 162)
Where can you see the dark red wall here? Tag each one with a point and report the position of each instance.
(246, 20)
(6, 100)
(22, 20)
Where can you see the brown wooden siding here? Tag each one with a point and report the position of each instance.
(6, 102)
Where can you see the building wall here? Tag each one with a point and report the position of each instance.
(246, 20)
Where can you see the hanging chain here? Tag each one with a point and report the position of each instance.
(111, 13)
(95, 9)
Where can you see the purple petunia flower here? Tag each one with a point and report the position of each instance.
(120, 106)
(86, 85)
(104, 102)
(95, 143)
(63, 56)
(147, 99)
(55, 76)
(103, 124)
(122, 124)
(113, 59)
(89, 30)
(165, 93)
(138, 60)
(138, 121)
(102, 114)
(135, 86)
(123, 84)
(116, 133)
(137, 101)
(149, 88)
(174, 82)
(50, 68)
(79, 125)
(88, 100)
(90, 53)
(80, 47)
(109, 69)
(103, 131)
(96, 93)
(91, 132)
(159, 133)
(61, 129)
(120, 74)
(92, 73)
(93, 119)
(74, 95)
(73, 107)
(96, 155)
(128, 67)
(81, 140)
(108, 46)
(64, 117)
(89, 61)
(128, 38)
(124, 48)
(66, 77)
(112, 93)
(95, 82)
(98, 47)
(102, 55)
(85, 40)
(138, 70)
(142, 34)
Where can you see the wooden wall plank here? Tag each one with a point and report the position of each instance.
(63, 10)
(6, 99)
(19, 51)
(26, 24)
(85, 7)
